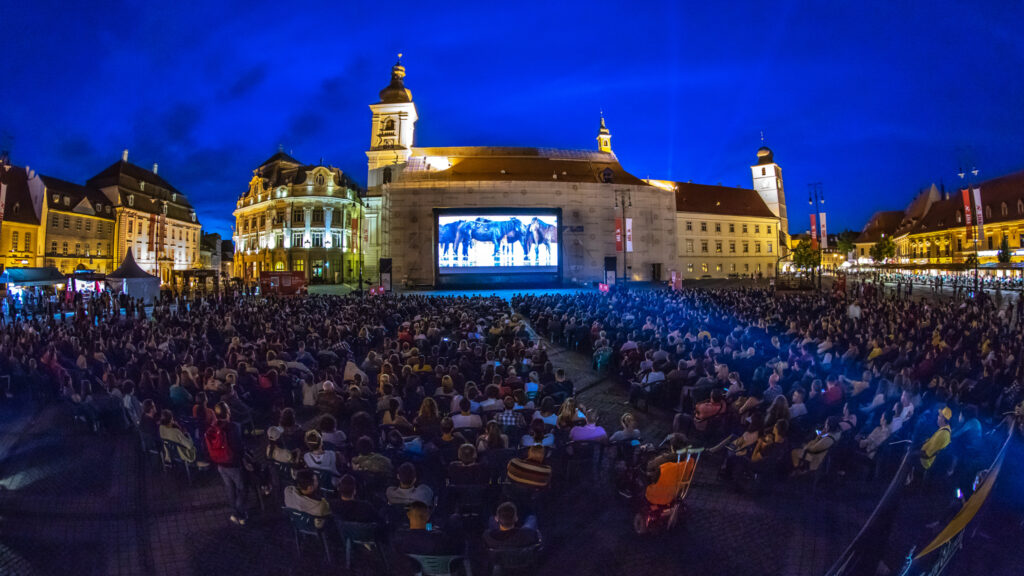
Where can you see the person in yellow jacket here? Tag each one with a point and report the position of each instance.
(938, 441)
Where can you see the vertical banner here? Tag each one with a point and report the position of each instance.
(814, 232)
(629, 234)
(979, 214)
(618, 234)
(824, 233)
(3, 199)
(354, 235)
(967, 213)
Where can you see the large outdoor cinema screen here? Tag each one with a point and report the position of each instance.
(506, 242)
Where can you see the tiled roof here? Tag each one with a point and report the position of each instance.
(710, 199)
(885, 222)
(126, 177)
(75, 193)
(18, 206)
(484, 163)
(1005, 190)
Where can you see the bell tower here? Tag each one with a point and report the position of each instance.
(604, 138)
(391, 128)
(768, 184)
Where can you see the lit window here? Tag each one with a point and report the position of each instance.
(689, 267)
(704, 267)
(718, 267)
(88, 225)
(299, 265)
(718, 247)
(65, 247)
(53, 247)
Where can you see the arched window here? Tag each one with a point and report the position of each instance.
(386, 175)
(988, 212)
(1003, 210)
(959, 217)
(763, 172)
(389, 124)
(319, 180)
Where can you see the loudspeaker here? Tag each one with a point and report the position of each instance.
(385, 274)
(611, 263)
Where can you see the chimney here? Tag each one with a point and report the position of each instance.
(124, 155)
(155, 166)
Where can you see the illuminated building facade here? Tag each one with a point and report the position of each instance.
(298, 217)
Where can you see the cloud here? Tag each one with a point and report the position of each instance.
(247, 82)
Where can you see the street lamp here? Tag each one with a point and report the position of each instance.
(816, 198)
(624, 197)
(977, 210)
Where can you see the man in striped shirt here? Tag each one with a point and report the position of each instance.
(531, 472)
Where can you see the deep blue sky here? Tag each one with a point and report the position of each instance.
(874, 101)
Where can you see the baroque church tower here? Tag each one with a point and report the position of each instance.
(391, 129)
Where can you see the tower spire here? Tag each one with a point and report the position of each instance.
(604, 137)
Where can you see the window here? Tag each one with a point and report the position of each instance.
(88, 225)
(130, 226)
(28, 241)
(1020, 207)
(299, 265)
(296, 239)
(757, 247)
(67, 200)
(318, 215)
(318, 239)
(763, 172)
(131, 199)
(744, 228)
(988, 212)
(704, 246)
(278, 266)
(67, 222)
(99, 249)
(718, 227)
(55, 222)
(732, 267)
(319, 180)
(718, 247)
(769, 247)
(386, 175)
(263, 221)
(718, 267)
(768, 229)
(53, 247)
(861, 251)
(689, 245)
(746, 247)
(757, 268)
(703, 226)
(296, 216)
(65, 247)
(78, 248)
(689, 267)
(757, 228)
(704, 267)
(78, 223)
(689, 226)
(990, 243)
(732, 228)
(746, 267)
(279, 219)
(732, 247)
(14, 240)
(1003, 209)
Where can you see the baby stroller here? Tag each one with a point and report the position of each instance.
(663, 500)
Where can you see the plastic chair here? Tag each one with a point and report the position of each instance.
(363, 534)
(171, 457)
(305, 525)
(513, 560)
(440, 565)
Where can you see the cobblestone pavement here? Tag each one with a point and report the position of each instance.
(84, 504)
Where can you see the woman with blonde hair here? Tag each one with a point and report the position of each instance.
(569, 414)
(629, 430)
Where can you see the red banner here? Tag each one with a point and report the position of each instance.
(814, 232)
(618, 234)
(967, 213)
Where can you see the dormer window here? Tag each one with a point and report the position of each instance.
(174, 197)
(15, 210)
(142, 186)
(959, 217)
(1003, 210)
(988, 212)
(56, 198)
(1020, 206)
(67, 200)
(193, 214)
(319, 180)
(131, 199)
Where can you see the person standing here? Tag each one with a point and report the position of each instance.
(224, 446)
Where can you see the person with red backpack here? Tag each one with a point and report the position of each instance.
(224, 445)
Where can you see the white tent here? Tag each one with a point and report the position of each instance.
(134, 281)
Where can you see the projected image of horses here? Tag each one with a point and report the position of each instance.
(497, 241)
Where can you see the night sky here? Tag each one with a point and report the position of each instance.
(873, 101)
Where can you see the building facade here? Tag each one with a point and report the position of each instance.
(301, 218)
(723, 232)
(20, 238)
(78, 227)
(153, 219)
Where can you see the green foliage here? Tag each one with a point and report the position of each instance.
(845, 242)
(883, 249)
(805, 257)
(1004, 251)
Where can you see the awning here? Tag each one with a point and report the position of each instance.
(32, 276)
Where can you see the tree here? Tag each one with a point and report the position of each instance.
(884, 248)
(804, 256)
(1004, 251)
(845, 244)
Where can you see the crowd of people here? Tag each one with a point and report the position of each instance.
(781, 384)
(441, 422)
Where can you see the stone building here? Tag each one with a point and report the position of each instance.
(20, 242)
(592, 190)
(154, 219)
(298, 217)
(78, 227)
